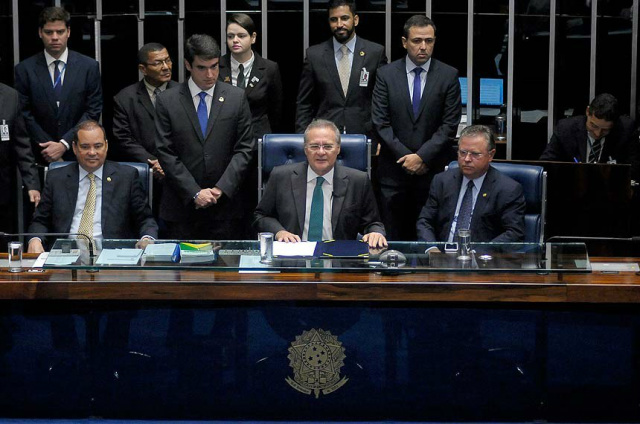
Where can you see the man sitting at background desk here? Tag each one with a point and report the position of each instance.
(474, 196)
(319, 200)
(601, 136)
(95, 197)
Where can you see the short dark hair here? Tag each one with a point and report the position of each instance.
(417, 21)
(334, 4)
(321, 123)
(605, 106)
(202, 45)
(143, 53)
(52, 14)
(482, 131)
(88, 125)
(243, 20)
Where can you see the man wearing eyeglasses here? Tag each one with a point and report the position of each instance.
(474, 196)
(319, 200)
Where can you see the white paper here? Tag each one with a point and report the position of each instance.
(56, 257)
(303, 248)
(119, 257)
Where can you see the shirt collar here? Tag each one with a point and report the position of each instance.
(351, 45)
(195, 90)
(411, 66)
(63, 57)
(328, 177)
(152, 88)
(246, 65)
(83, 173)
(477, 182)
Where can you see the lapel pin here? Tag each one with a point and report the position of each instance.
(255, 79)
(362, 53)
(484, 194)
(221, 99)
(109, 179)
(251, 84)
(227, 79)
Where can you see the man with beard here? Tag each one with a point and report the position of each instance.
(338, 76)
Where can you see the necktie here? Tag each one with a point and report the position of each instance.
(466, 208)
(203, 116)
(86, 221)
(240, 79)
(596, 148)
(343, 69)
(416, 91)
(57, 80)
(317, 208)
(155, 96)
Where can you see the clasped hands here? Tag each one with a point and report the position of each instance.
(207, 197)
(412, 164)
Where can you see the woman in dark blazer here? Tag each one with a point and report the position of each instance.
(261, 81)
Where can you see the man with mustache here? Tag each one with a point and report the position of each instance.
(338, 76)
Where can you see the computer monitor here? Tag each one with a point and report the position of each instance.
(491, 92)
(463, 89)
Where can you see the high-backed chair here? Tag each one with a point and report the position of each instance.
(281, 149)
(144, 175)
(533, 180)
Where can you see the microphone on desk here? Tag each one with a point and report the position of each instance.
(91, 254)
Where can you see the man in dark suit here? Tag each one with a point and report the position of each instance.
(416, 111)
(15, 148)
(58, 87)
(474, 196)
(343, 196)
(205, 141)
(119, 205)
(338, 76)
(601, 136)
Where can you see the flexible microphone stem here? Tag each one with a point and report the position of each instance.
(91, 254)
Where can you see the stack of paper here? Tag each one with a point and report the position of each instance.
(163, 252)
(197, 253)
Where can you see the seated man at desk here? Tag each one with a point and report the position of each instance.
(317, 199)
(474, 196)
(601, 136)
(99, 198)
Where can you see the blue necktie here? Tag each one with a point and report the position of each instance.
(57, 81)
(317, 208)
(203, 116)
(466, 208)
(416, 91)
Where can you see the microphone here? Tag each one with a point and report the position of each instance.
(91, 254)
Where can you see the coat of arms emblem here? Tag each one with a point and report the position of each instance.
(316, 357)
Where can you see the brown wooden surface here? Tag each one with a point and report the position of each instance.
(593, 287)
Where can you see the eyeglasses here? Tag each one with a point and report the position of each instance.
(166, 62)
(316, 147)
(474, 155)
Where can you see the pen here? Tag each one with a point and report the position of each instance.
(575, 159)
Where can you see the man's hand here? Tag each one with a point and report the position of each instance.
(34, 197)
(35, 246)
(217, 193)
(375, 240)
(52, 150)
(287, 237)
(205, 198)
(412, 164)
(156, 168)
(143, 242)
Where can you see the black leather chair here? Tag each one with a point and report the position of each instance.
(281, 149)
(534, 184)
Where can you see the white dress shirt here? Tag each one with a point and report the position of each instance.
(410, 66)
(195, 95)
(247, 69)
(351, 45)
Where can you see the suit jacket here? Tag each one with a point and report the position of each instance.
(134, 125)
(430, 133)
(498, 215)
(81, 98)
(320, 93)
(569, 143)
(16, 149)
(192, 162)
(263, 91)
(283, 205)
(125, 210)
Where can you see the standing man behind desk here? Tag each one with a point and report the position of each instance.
(205, 143)
(134, 113)
(59, 88)
(99, 198)
(416, 111)
(492, 207)
(338, 76)
(601, 136)
(319, 200)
